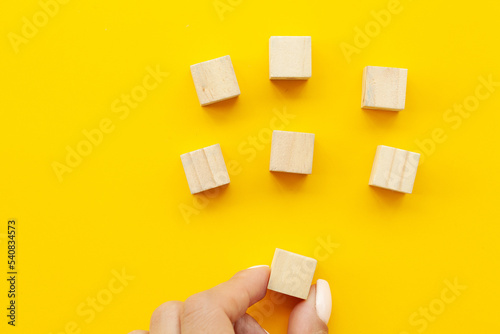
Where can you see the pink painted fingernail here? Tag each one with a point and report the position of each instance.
(262, 265)
(323, 300)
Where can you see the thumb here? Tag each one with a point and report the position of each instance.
(311, 315)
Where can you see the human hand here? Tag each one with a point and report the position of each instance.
(222, 309)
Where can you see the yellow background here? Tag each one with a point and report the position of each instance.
(121, 207)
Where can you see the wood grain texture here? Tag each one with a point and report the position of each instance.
(394, 169)
(292, 152)
(291, 273)
(215, 80)
(205, 169)
(290, 58)
(384, 88)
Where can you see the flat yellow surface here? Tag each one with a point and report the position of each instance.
(124, 205)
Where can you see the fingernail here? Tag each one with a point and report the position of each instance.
(323, 300)
(262, 265)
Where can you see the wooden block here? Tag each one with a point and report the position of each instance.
(394, 169)
(290, 57)
(215, 80)
(205, 169)
(292, 152)
(291, 273)
(384, 88)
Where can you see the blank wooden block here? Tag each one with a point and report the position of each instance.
(291, 273)
(215, 80)
(205, 169)
(384, 88)
(292, 152)
(290, 57)
(394, 169)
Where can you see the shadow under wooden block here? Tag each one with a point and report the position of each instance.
(291, 89)
(208, 200)
(380, 118)
(214, 192)
(290, 181)
(223, 111)
(387, 196)
(222, 106)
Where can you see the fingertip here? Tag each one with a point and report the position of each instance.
(263, 268)
(166, 317)
(257, 278)
(305, 318)
(262, 272)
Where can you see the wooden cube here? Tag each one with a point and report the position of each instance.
(292, 152)
(384, 88)
(205, 169)
(290, 57)
(215, 80)
(394, 169)
(291, 273)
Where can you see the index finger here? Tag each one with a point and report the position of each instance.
(236, 295)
